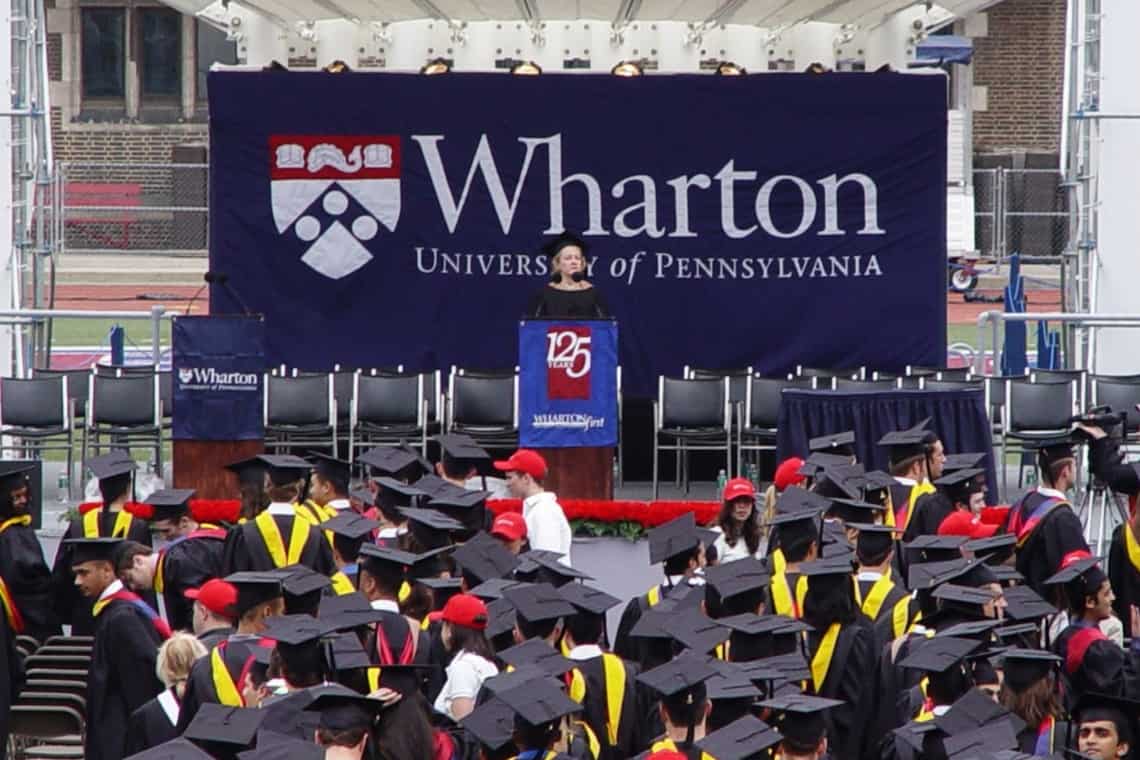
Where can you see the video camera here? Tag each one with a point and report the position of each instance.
(1112, 423)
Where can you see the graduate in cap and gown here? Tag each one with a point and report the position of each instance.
(121, 677)
(684, 704)
(156, 721)
(23, 571)
(801, 720)
(913, 454)
(11, 666)
(879, 593)
(1046, 527)
(931, 509)
(350, 530)
(1106, 726)
(796, 534)
(328, 486)
(115, 473)
(278, 536)
(1030, 691)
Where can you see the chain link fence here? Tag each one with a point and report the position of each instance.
(136, 208)
(1020, 210)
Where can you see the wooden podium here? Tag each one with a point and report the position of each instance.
(201, 465)
(580, 473)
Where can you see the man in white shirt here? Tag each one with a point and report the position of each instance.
(546, 524)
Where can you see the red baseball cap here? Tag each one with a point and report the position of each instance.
(215, 595)
(963, 523)
(739, 488)
(788, 473)
(466, 610)
(524, 460)
(509, 525)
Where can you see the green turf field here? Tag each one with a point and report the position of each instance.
(94, 332)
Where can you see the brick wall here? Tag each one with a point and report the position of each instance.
(1021, 64)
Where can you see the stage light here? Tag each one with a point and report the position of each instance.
(436, 66)
(337, 67)
(729, 69)
(816, 68)
(526, 68)
(626, 69)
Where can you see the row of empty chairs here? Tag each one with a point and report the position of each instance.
(48, 719)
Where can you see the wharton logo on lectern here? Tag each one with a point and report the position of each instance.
(210, 379)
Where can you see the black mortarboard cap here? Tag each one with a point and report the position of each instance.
(511, 679)
(678, 536)
(946, 546)
(1128, 709)
(396, 493)
(492, 723)
(683, 673)
(996, 548)
(792, 665)
(841, 480)
(458, 503)
(295, 630)
(1024, 667)
(1023, 603)
(539, 702)
(833, 566)
(911, 442)
(965, 477)
(971, 629)
(175, 749)
(745, 738)
(350, 525)
(538, 653)
(461, 446)
(731, 578)
(1074, 570)
(939, 654)
(856, 511)
(14, 473)
(92, 549)
(249, 471)
(342, 709)
(537, 602)
(963, 595)
(805, 518)
(796, 500)
(284, 468)
(254, 588)
(219, 724)
(818, 461)
(998, 735)
(963, 461)
(493, 589)
(346, 651)
(729, 682)
(500, 618)
(363, 496)
(840, 442)
(331, 468)
(760, 625)
(588, 599)
(537, 565)
(1007, 632)
(431, 527)
(394, 460)
(300, 580)
(1006, 575)
(386, 561)
(695, 630)
(285, 749)
(801, 716)
(111, 464)
(170, 503)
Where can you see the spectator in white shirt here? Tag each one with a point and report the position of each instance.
(464, 621)
(546, 525)
(738, 526)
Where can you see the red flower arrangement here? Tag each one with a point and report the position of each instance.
(648, 514)
(202, 510)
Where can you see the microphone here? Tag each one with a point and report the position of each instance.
(197, 293)
(219, 278)
(223, 279)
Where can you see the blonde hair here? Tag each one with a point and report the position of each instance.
(175, 658)
(769, 506)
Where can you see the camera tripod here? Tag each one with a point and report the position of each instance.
(1096, 512)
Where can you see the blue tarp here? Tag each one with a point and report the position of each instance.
(945, 48)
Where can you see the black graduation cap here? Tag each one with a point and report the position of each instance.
(537, 565)
(937, 548)
(997, 548)
(797, 501)
(92, 549)
(1024, 667)
(462, 450)
(350, 525)
(500, 618)
(110, 465)
(330, 468)
(818, 461)
(729, 682)
(961, 484)
(732, 578)
(1006, 575)
(346, 651)
(396, 493)
(442, 589)
(363, 496)
(538, 653)
(838, 566)
(296, 630)
(588, 599)
(684, 674)
(857, 511)
(300, 580)
(284, 749)
(458, 503)
(492, 723)
(170, 503)
(1076, 570)
(1119, 708)
(842, 443)
(992, 736)
(216, 724)
(511, 679)
(678, 536)
(284, 469)
(395, 461)
(249, 471)
(695, 630)
(963, 461)
(792, 665)
(386, 561)
(342, 709)
(746, 738)
(939, 654)
(963, 595)
(432, 486)
(254, 588)
(14, 473)
(873, 538)
(1025, 604)
(801, 716)
(759, 625)
(493, 589)
(1011, 632)
(539, 702)
(431, 527)
(971, 629)
(908, 443)
(537, 602)
(841, 480)
(175, 749)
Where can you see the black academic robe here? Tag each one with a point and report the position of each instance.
(628, 647)
(187, 563)
(1056, 736)
(29, 580)
(1041, 548)
(70, 607)
(853, 659)
(11, 678)
(246, 549)
(1124, 574)
(1091, 662)
(396, 640)
(151, 724)
(597, 698)
(121, 677)
(930, 510)
(914, 741)
(236, 654)
(893, 703)
(661, 744)
(214, 636)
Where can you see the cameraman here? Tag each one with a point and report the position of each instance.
(1106, 462)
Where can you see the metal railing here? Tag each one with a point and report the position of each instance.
(1023, 210)
(39, 321)
(139, 208)
(997, 319)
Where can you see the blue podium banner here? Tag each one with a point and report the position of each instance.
(568, 383)
(378, 219)
(218, 367)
